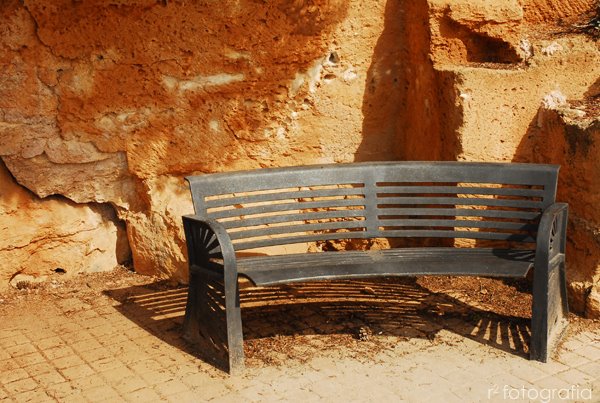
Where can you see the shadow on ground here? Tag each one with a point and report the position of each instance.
(288, 319)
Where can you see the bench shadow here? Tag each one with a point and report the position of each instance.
(396, 307)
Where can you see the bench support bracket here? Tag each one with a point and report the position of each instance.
(212, 315)
(550, 307)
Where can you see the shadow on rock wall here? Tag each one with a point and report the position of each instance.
(561, 136)
(410, 109)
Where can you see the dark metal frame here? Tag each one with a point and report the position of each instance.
(212, 247)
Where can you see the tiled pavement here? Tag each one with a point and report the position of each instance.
(118, 342)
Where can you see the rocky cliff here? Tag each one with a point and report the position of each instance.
(106, 105)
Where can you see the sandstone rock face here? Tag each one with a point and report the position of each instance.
(41, 236)
(106, 106)
(115, 103)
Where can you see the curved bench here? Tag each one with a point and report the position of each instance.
(489, 219)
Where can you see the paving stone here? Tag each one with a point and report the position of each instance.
(146, 366)
(85, 345)
(196, 380)
(66, 327)
(592, 369)
(49, 342)
(77, 371)
(9, 332)
(21, 349)
(130, 385)
(85, 316)
(22, 385)
(325, 390)
(143, 396)
(106, 364)
(182, 370)
(40, 368)
(571, 359)
(575, 377)
(95, 355)
(60, 391)
(4, 355)
(15, 339)
(95, 322)
(170, 387)
(101, 394)
(34, 396)
(187, 396)
(527, 372)
(76, 337)
(551, 367)
(117, 374)
(11, 375)
(590, 352)
(49, 378)
(552, 382)
(156, 377)
(30, 359)
(100, 331)
(443, 396)
(58, 352)
(132, 355)
(117, 338)
(42, 331)
(68, 362)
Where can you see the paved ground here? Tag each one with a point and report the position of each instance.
(117, 338)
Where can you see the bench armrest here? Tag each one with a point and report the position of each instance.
(208, 240)
(552, 235)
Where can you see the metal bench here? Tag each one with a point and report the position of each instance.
(490, 219)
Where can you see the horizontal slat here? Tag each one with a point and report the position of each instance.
(259, 263)
(403, 262)
(521, 215)
(292, 229)
(299, 239)
(501, 236)
(271, 208)
(265, 197)
(409, 171)
(368, 173)
(460, 190)
(457, 223)
(309, 215)
(463, 201)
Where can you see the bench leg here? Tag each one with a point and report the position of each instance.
(213, 320)
(550, 309)
(235, 337)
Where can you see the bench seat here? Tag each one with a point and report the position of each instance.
(279, 269)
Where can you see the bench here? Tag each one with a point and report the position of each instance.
(440, 218)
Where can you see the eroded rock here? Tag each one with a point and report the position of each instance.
(39, 236)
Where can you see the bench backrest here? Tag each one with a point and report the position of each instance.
(279, 206)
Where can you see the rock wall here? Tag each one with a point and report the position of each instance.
(114, 102)
(41, 237)
(105, 106)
